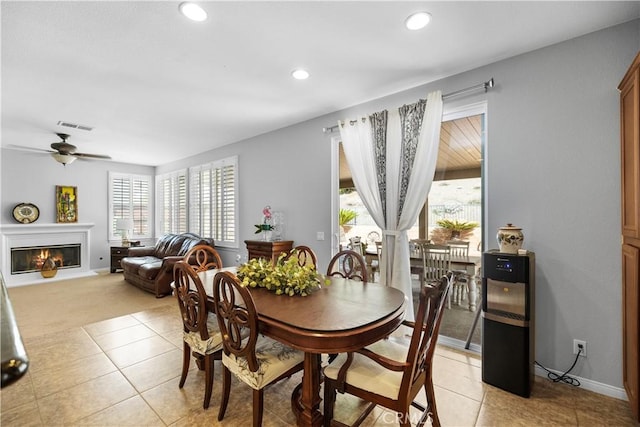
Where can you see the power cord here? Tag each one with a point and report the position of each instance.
(564, 377)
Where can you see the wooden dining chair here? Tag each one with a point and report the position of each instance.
(415, 251)
(202, 258)
(305, 256)
(200, 334)
(391, 374)
(460, 277)
(348, 264)
(355, 244)
(254, 359)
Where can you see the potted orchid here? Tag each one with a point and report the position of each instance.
(266, 226)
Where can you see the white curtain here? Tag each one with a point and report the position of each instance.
(392, 157)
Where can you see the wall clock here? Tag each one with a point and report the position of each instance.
(26, 213)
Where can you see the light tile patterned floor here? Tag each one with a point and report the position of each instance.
(125, 372)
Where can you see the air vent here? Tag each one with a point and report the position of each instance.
(74, 126)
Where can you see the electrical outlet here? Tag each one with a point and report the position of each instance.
(580, 346)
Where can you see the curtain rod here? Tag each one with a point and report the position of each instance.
(484, 86)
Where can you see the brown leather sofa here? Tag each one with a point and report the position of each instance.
(151, 267)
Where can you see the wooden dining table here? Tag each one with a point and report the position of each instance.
(343, 316)
(470, 264)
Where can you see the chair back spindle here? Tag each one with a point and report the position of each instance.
(202, 258)
(348, 264)
(236, 314)
(191, 298)
(306, 256)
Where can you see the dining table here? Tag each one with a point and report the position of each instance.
(342, 316)
(470, 264)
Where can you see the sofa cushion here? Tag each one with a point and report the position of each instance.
(132, 264)
(150, 270)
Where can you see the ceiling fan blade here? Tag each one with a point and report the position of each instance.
(93, 156)
(25, 148)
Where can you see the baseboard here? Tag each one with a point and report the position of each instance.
(585, 383)
(62, 275)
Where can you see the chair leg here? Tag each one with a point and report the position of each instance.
(226, 388)
(329, 401)
(258, 405)
(208, 374)
(431, 402)
(186, 360)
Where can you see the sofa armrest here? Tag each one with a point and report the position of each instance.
(141, 251)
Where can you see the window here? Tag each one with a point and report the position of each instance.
(202, 201)
(130, 197)
(213, 201)
(172, 202)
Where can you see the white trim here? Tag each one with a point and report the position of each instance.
(587, 384)
(335, 194)
(21, 235)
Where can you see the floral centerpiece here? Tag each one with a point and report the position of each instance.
(285, 277)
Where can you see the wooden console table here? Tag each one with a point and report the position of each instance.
(268, 250)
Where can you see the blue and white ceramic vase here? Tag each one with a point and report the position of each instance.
(510, 239)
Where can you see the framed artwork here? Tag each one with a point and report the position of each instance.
(66, 204)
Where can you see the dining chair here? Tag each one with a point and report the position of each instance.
(391, 374)
(436, 262)
(348, 264)
(200, 333)
(460, 277)
(375, 264)
(355, 244)
(202, 258)
(305, 255)
(415, 251)
(373, 237)
(254, 359)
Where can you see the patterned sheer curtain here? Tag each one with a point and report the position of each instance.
(392, 157)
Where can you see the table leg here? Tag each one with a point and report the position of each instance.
(309, 401)
(473, 292)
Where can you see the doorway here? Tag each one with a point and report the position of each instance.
(456, 196)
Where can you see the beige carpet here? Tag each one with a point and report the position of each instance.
(52, 307)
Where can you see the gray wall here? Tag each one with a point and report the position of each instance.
(32, 177)
(552, 167)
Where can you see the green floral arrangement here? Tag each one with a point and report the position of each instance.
(286, 277)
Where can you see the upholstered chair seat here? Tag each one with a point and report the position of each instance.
(273, 359)
(368, 375)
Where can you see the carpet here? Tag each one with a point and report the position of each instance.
(57, 306)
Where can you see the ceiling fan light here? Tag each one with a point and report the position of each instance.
(417, 20)
(193, 11)
(65, 159)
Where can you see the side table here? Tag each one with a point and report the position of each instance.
(117, 253)
(268, 250)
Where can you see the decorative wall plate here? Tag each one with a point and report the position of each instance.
(26, 213)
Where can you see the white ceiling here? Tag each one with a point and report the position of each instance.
(157, 87)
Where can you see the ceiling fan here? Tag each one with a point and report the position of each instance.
(66, 153)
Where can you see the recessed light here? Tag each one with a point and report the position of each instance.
(192, 11)
(417, 20)
(300, 74)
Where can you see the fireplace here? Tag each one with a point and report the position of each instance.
(30, 259)
(26, 246)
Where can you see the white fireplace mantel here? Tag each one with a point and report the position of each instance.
(43, 234)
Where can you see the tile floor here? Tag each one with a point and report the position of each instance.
(125, 371)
